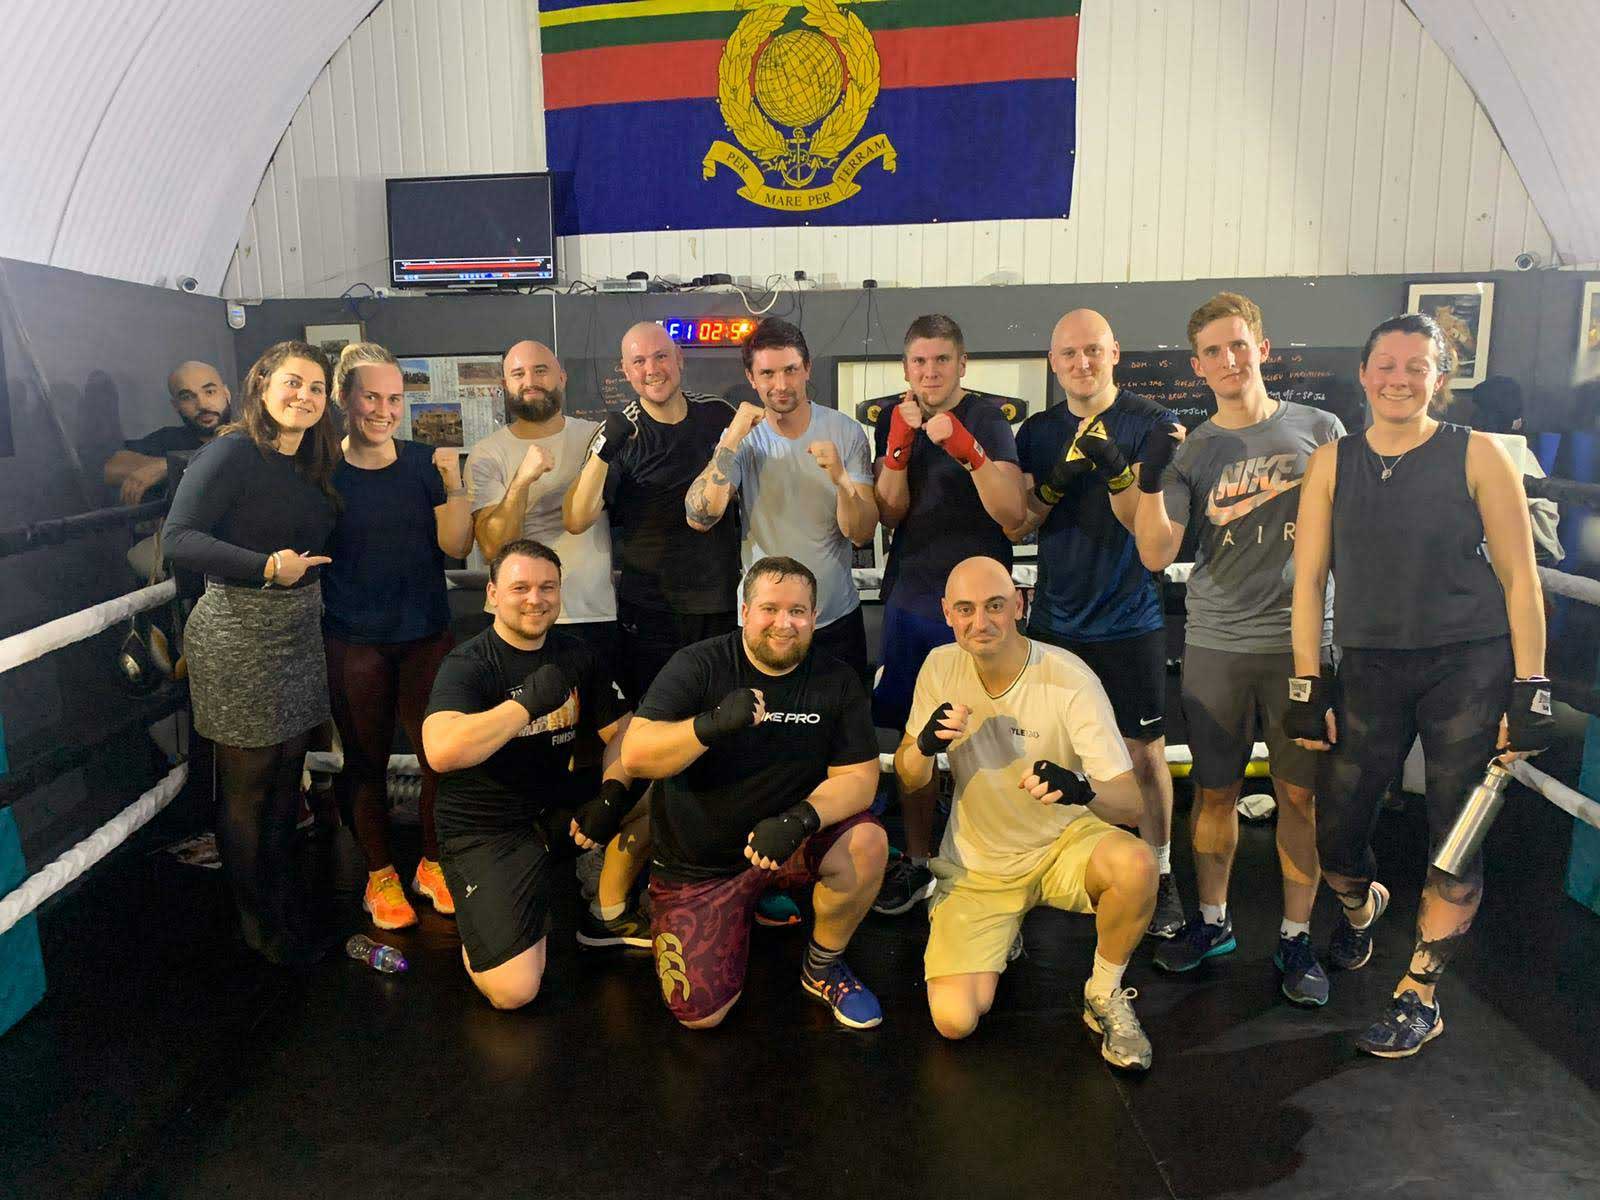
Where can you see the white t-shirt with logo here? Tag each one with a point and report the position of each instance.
(586, 591)
(1057, 710)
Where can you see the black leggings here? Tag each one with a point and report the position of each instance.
(368, 686)
(1453, 696)
(260, 807)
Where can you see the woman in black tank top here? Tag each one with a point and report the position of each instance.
(1425, 527)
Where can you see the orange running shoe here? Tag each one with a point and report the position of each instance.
(386, 901)
(429, 882)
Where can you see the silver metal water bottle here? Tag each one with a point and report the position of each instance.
(1465, 839)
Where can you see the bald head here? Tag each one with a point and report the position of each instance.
(978, 579)
(982, 607)
(1083, 351)
(534, 381)
(200, 396)
(652, 362)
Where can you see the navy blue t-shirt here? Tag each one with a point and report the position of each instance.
(386, 581)
(1092, 586)
(947, 521)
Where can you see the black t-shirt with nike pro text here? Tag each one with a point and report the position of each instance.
(818, 716)
(665, 564)
(529, 774)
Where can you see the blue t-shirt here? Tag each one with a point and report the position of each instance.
(947, 521)
(386, 581)
(1092, 586)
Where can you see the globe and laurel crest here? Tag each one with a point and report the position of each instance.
(819, 83)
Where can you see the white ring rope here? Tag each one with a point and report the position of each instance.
(35, 643)
(49, 880)
(1558, 793)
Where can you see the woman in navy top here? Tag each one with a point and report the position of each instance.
(386, 625)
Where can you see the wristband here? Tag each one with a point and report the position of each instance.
(963, 447)
(1530, 715)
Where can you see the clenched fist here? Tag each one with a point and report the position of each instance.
(746, 419)
(826, 455)
(535, 463)
(447, 459)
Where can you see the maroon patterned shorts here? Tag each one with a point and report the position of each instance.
(702, 929)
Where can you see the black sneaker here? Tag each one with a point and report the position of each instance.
(629, 929)
(1194, 943)
(904, 883)
(1350, 948)
(1304, 980)
(1168, 917)
(1404, 1029)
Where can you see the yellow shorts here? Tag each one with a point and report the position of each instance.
(973, 917)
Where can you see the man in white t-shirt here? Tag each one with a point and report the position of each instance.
(1040, 770)
(517, 477)
(804, 477)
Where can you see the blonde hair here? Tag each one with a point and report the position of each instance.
(1224, 304)
(354, 355)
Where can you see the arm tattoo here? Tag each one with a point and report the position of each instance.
(696, 505)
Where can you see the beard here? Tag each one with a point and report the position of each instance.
(535, 405)
(203, 427)
(778, 657)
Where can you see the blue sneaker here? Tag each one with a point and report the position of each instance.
(1403, 1030)
(1194, 943)
(1304, 980)
(1350, 948)
(776, 910)
(840, 990)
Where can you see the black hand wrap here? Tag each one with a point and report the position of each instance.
(611, 437)
(1095, 444)
(544, 691)
(1530, 716)
(1310, 697)
(1071, 465)
(929, 741)
(1074, 788)
(1159, 447)
(737, 711)
(778, 837)
(601, 818)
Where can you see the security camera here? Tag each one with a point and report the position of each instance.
(1526, 261)
(189, 283)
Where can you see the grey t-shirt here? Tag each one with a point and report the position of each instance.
(790, 505)
(1244, 484)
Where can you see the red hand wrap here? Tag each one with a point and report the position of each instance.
(963, 447)
(897, 454)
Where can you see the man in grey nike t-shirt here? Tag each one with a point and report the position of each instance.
(1238, 477)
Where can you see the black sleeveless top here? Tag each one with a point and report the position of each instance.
(1408, 556)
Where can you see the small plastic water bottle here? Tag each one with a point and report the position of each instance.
(375, 954)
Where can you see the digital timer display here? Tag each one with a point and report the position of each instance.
(709, 331)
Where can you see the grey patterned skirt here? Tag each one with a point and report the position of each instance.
(257, 675)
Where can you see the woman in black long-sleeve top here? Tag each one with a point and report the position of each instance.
(252, 514)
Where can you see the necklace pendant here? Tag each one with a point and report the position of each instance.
(1387, 471)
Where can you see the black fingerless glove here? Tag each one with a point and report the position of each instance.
(1530, 715)
(737, 711)
(1074, 788)
(778, 837)
(1310, 697)
(1159, 447)
(1070, 466)
(1095, 444)
(544, 691)
(601, 818)
(612, 436)
(929, 741)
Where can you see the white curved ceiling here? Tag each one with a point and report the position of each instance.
(133, 136)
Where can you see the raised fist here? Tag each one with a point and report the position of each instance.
(826, 455)
(535, 463)
(447, 460)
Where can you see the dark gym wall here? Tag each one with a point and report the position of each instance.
(85, 366)
(1533, 337)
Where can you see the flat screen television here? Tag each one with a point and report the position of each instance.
(471, 231)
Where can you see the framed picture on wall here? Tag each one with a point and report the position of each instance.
(1463, 311)
(1587, 364)
(331, 339)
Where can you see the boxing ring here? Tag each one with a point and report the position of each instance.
(26, 897)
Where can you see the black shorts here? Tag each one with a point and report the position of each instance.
(501, 883)
(1229, 700)
(846, 640)
(651, 636)
(1134, 673)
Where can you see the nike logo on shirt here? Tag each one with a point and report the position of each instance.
(1246, 486)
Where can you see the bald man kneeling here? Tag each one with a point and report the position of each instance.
(1040, 770)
